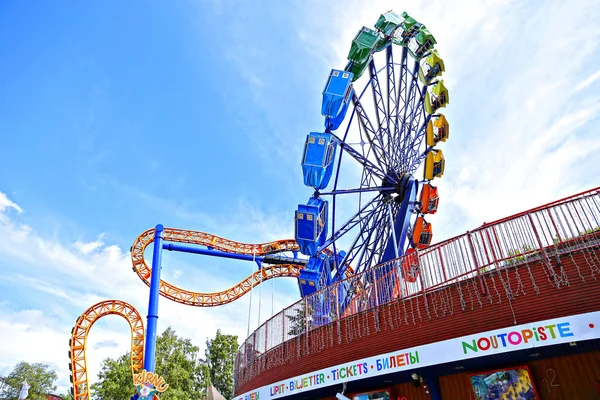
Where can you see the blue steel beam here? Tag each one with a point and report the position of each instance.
(268, 259)
(210, 252)
(361, 190)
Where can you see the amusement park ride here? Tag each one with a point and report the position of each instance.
(376, 141)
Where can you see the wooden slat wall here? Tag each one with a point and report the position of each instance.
(560, 378)
(567, 378)
(325, 351)
(408, 390)
(455, 387)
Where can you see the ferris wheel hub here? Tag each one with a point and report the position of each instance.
(396, 185)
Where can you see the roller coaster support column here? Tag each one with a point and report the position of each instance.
(150, 353)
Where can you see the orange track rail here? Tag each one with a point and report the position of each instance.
(79, 334)
(80, 331)
(198, 299)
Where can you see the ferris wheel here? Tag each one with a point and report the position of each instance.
(373, 165)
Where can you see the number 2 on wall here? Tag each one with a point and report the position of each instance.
(552, 372)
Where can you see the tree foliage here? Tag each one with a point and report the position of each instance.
(39, 376)
(297, 321)
(114, 379)
(217, 367)
(178, 362)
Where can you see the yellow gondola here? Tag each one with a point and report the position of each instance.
(437, 98)
(434, 164)
(438, 130)
(431, 68)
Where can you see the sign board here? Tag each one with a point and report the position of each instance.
(527, 336)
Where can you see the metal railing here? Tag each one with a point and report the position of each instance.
(561, 227)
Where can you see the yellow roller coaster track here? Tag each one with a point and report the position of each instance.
(143, 269)
(79, 334)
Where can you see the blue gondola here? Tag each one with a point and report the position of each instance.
(311, 225)
(336, 98)
(314, 276)
(317, 162)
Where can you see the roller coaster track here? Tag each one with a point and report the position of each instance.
(197, 299)
(77, 343)
(79, 334)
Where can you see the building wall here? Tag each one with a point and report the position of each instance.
(574, 377)
(435, 317)
(571, 377)
(455, 386)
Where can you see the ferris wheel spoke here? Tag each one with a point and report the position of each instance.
(357, 190)
(407, 133)
(412, 148)
(408, 110)
(360, 243)
(400, 97)
(421, 157)
(373, 169)
(391, 99)
(374, 249)
(417, 156)
(380, 108)
(410, 95)
(407, 93)
(414, 124)
(375, 142)
(364, 212)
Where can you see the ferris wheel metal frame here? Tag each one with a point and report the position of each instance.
(394, 136)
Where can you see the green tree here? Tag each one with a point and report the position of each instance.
(297, 321)
(176, 361)
(219, 363)
(114, 379)
(39, 376)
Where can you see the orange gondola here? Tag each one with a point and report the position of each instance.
(410, 266)
(423, 233)
(429, 199)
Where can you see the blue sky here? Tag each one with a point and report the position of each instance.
(117, 116)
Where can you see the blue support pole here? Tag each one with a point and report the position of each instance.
(150, 352)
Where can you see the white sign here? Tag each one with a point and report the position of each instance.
(527, 336)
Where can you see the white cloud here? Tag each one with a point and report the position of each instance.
(62, 280)
(588, 81)
(5, 203)
(88, 247)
